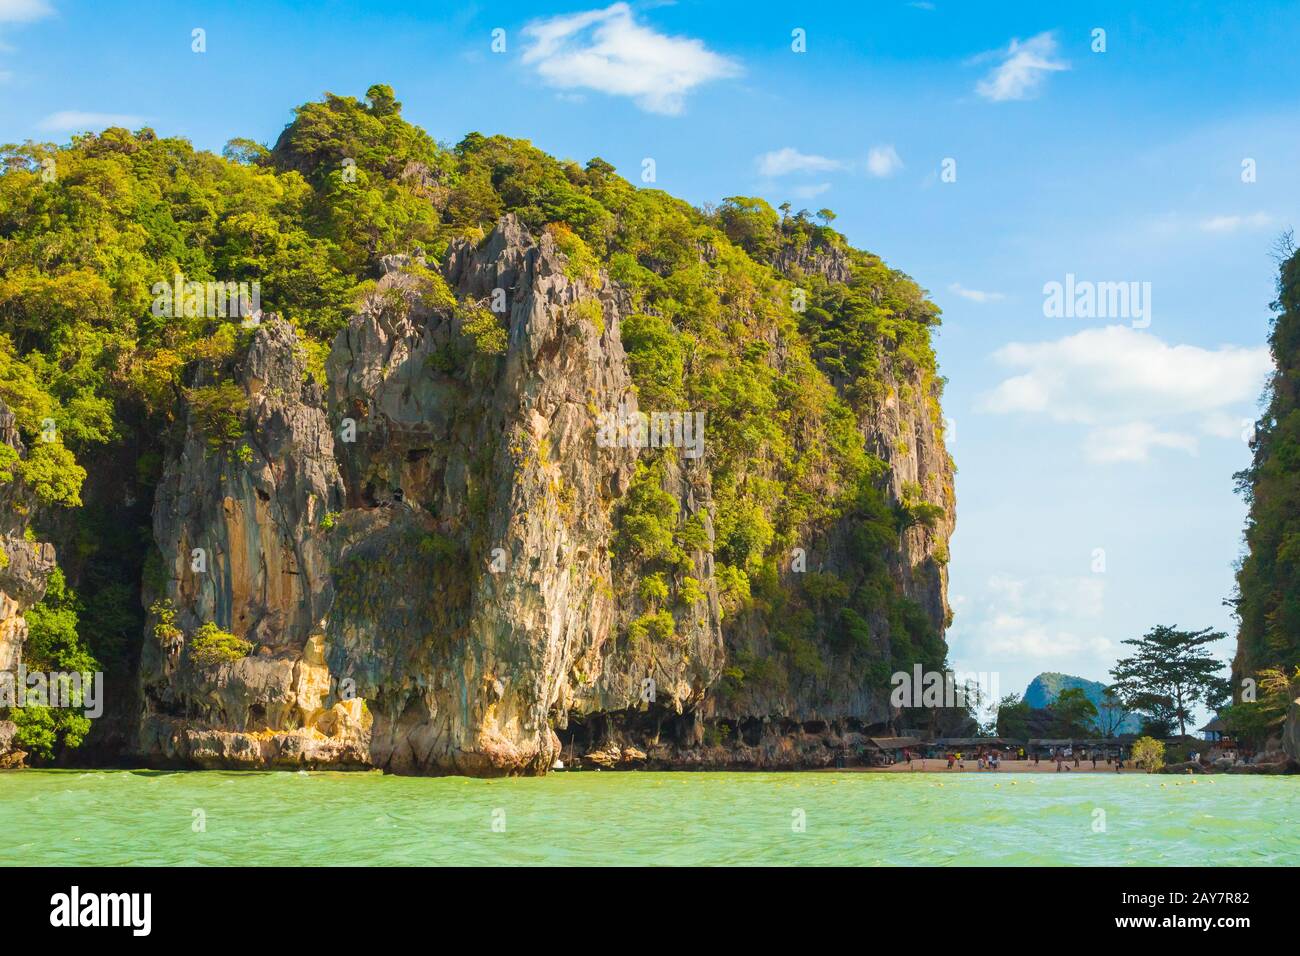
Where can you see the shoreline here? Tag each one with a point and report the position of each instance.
(940, 765)
(932, 767)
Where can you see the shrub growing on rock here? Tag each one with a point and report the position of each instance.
(211, 645)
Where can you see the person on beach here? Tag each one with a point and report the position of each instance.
(1076, 758)
(1094, 760)
(951, 760)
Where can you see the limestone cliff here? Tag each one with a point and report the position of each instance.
(382, 452)
(477, 493)
(419, 550)
(240, 529)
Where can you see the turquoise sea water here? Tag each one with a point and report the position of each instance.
(149, 817)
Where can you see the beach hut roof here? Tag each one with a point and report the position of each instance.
(972, 741)
(1215, 726)
(893, 743)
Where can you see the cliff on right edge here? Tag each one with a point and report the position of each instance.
(1266, 670)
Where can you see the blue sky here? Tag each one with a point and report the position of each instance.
(1070, 434)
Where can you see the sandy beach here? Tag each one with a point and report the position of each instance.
(940, 765)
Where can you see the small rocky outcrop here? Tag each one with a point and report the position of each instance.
(803, 258)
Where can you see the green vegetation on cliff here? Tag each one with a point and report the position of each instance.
(54, 646)
(1268, 582)
(783, 335)
(1266, 670)
(210, 646)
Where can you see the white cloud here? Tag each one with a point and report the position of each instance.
(75, 121)
(811, 191)
(20, 11)
(1256, 220)
(1016, 636)
(1108, 374)
(883, 161)
(24, 11)
(1136, 392)
(1077, 596)
(608, 51)
(782, 162)
(975, 295)
(1044, 618)
(1024, 67)
(1133, 442)
(1223, 425)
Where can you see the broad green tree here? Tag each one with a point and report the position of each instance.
(1170, 673)
(1073, 714)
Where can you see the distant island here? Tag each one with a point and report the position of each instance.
(1047, 686)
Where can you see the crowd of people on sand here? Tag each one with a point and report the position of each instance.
(990, 758)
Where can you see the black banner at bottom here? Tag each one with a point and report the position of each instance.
(319, 904)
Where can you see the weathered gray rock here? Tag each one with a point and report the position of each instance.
(475, 581)
(794, 259)
(240, 530)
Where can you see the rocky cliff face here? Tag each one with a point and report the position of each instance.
(240, 531)
(830, 262)
(808, 719)
(25, 567)
(478, 494)
(419, 551)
